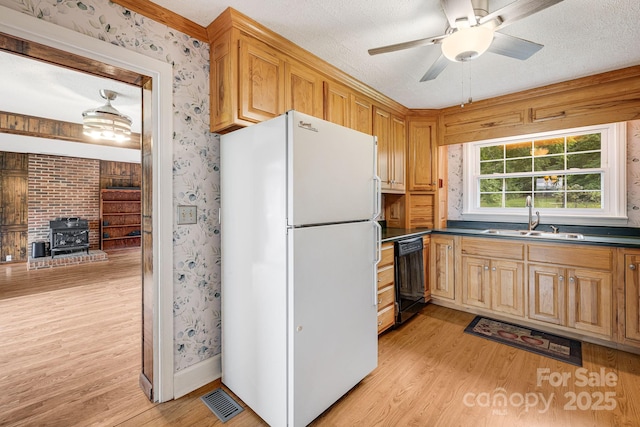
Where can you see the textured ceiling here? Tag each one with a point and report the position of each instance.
(581, 37)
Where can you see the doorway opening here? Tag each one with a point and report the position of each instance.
(34, 38)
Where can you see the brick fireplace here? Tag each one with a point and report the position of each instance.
(63, 187)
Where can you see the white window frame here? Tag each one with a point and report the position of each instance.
(614, 210)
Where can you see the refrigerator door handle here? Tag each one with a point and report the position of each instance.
(377, 189)
(378, 258)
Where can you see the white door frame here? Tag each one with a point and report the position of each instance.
(29, 28)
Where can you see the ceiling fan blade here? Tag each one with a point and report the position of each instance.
(513, 47)
(435, 69)
(456, 10)
(517, 10)
(406, 45)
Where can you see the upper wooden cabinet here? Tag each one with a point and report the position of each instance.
(247, 82)
(391, 133)
(421, 155)
(303, 89)
(603, 98)
(337, 103)
(361, 114)
(257, 74)
(261, 81)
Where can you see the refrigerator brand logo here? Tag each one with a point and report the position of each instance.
(307, 126)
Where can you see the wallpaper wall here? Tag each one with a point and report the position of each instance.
(455, 158)
(196, 264)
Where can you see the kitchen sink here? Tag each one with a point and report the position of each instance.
(534, 233)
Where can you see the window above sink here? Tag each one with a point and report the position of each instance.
(574, 176)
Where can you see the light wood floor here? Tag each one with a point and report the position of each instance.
(70, 343)
(67, 358)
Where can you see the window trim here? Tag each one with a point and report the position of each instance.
(614, 151)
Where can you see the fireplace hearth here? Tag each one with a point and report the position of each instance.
(68, 235)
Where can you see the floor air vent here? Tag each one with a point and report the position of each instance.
(222, 404)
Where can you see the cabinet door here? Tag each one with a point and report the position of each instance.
(336, 103)
(421, 145)
(442, 267)
(222, 95)
(303, 90)
(507, 287)
(382, 129)
(589, 301)
(361, 114)
(398, 150)
(475, 282)
(426, 240)
(547, 300)
(261, 81)
(632, 297)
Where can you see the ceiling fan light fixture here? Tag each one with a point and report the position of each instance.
(467, 43)
(106, 122)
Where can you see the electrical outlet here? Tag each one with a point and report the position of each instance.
(187, 214)
(9, 258)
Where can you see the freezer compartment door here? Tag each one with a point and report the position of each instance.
(331, 172)
(333, 329)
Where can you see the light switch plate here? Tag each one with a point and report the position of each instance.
(187, 214)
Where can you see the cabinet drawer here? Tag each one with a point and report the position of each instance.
(493, 248)
(386, 258)
(385, 318)
(385, 277)
(386, 297)
(572, 255)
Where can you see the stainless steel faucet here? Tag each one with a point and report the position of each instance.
(532, 224)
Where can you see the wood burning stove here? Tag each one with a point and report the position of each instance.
(68, 235)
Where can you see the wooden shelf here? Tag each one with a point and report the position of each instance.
(120, 214)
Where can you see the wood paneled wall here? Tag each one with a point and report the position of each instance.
(119, 174)
(13, 206)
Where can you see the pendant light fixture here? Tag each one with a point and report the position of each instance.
(106, 122)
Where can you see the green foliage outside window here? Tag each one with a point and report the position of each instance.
(563, 172)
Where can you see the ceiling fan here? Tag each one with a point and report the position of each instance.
(472, 30)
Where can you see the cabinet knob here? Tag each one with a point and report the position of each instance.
(486, 267)
(379, 300)
(493, 269)
(379, 322)
(561, 278)
(632, 266)
(571, 279)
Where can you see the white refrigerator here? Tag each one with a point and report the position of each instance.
(299, 255)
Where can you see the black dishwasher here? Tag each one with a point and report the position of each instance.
(409, 278)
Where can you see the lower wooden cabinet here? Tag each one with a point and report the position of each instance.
(567, 286)
(386, 288)
(507, 287)
(547, 294)
(441, 266)
(629, 332)
(475, 282)
(578, 298)
(426, 242)
(492, 284)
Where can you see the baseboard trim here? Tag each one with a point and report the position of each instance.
(195, 376)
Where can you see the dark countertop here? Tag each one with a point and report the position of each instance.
(393, 234)
(604, 236)
(589, 239)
